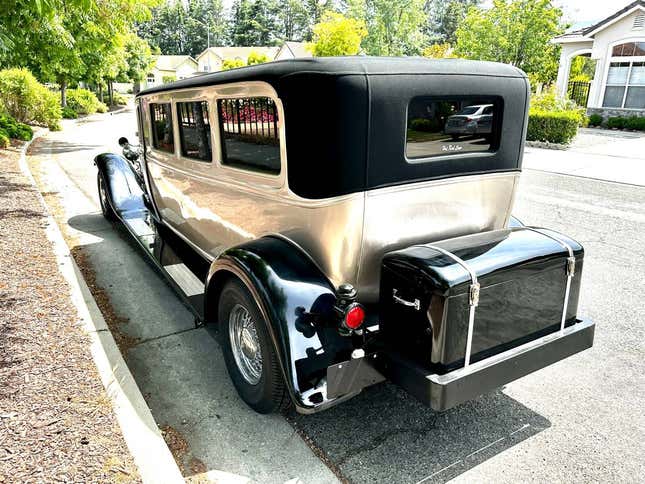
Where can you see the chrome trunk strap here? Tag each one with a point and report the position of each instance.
(570, 270)
(473, 298)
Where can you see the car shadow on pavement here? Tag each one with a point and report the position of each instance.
(386, 435)
(382, 435)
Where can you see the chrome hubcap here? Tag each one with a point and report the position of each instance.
(245, 344)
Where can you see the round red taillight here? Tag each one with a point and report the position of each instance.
(354, 316)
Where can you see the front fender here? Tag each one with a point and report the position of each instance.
(122, 183)
(296, 300)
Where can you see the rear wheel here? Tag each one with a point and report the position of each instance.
(106, 208)
(250, 356)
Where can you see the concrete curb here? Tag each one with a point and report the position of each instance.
(142, 436)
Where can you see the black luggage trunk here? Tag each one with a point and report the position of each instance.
(522, 275)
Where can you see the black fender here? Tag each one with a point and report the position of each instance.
(122, 183)
(296, 299)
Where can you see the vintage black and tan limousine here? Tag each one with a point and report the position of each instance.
(323, 216)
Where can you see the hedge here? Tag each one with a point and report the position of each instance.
(84, 102)
(28, 101)
(552, 126)
(4, 139)
(14, 129)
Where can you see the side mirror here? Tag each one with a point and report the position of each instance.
(123, 141)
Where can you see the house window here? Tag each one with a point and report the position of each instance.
(625, 87)
(162, 135)
(194, 130)
(249, 133)
(150, 79)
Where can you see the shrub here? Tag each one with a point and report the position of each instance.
(616, 122)
(102, 108)
(552, 126)
(4, 139)
(69, 113)
(548, 101)
(636, 123)
(83, 101)
(595, 120)
(119, 99)
(15, 129)
(28, 101)
(422, 124)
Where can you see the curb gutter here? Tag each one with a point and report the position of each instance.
(142, 436)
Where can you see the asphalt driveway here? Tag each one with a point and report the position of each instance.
(579, 420)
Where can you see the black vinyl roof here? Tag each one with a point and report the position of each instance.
(340, 66)
(346, 117)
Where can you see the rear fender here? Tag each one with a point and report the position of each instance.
(122, 184)
(296, 300)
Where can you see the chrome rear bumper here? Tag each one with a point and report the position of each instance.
(442, 392)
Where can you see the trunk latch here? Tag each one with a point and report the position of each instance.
(416, 304)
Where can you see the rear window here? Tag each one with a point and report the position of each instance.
(249, 134)
(162, 135)
(194, 130)
(446, 126)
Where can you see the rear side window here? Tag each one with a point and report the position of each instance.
(249, 133)
(162, 136)
(194, 130)
(439, 127)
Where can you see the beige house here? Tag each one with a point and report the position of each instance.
(617, 45)
(212, 58)
(169, 66)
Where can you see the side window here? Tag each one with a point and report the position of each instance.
(194, 130)
(162, 136)
(249, 133)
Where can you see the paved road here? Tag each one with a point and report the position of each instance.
(580, 420)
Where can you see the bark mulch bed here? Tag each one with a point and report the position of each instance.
(56, 421)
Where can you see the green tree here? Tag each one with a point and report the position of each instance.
(70, 42)
(205, 25)
(393, 26)
(516, 32)
(444, 18)
(232, 64)
(439, 51)
(256, 58)
(337, 35)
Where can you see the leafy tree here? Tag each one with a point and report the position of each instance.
(242, 33)
(582, 69)
(337, 35)
(516, 32)
(439, 51)
(256, 58)
(292, 20)
(393, 26)
(232, 64)
(71, 41)
(205, 25)
(444, 18)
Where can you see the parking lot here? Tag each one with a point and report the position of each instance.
(579, 420)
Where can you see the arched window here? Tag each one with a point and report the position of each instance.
(625, 87)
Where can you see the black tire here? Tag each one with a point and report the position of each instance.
(269, 394)
(106, 208)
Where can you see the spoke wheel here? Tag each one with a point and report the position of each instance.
(249, 352)
(245, 344)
